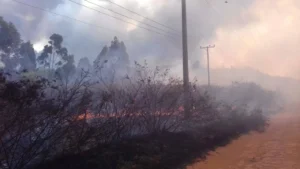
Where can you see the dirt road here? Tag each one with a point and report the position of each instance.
(277, 148)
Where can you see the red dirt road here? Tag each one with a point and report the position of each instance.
(277, 148)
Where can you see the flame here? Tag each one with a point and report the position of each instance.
(88, 115)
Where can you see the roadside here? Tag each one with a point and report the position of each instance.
(277, 148)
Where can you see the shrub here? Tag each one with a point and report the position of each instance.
(87, 124)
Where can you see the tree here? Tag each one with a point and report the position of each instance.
(66, 70)
(56, 58)
(118, 49)
(115, 44)
(84, 63)
(27, 57)
(36, 119)
(9, 37)
(100, 57)
(14, 52)
(115, 54)
(9, 43)
(113, 61)
(53, 54)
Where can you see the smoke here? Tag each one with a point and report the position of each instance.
(269, 44)
(140, 42)
(29, 21)
(261, 35)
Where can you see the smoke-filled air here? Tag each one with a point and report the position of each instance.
(149, 84)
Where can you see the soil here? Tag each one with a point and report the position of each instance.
(276, 148)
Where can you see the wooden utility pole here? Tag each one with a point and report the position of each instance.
(208, 70)
(186, 83)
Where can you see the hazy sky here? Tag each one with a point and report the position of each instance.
(260, 34)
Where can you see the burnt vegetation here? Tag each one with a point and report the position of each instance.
(56, 115)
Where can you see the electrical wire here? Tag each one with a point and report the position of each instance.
(64, 16)
(128, 17)
(74, 19)
(120, 19)
(144, 17)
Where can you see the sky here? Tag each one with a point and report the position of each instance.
(258, 34)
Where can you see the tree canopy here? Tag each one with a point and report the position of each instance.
(116, 53)
(14, 52)
(55, 57)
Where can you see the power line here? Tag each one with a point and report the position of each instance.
(128, 17)
(74, 19)
(120, 19)
(144, 17)
(64, 16)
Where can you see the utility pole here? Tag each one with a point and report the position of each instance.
(208, 70)
(186, 84)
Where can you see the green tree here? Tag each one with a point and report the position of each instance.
(67, 70)
(116, 53)
(10, 38)
(100, 57)
(9, 43)
(56, 58)
(84, 63)
(13, 51)
(53, 53)
(27, 57)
